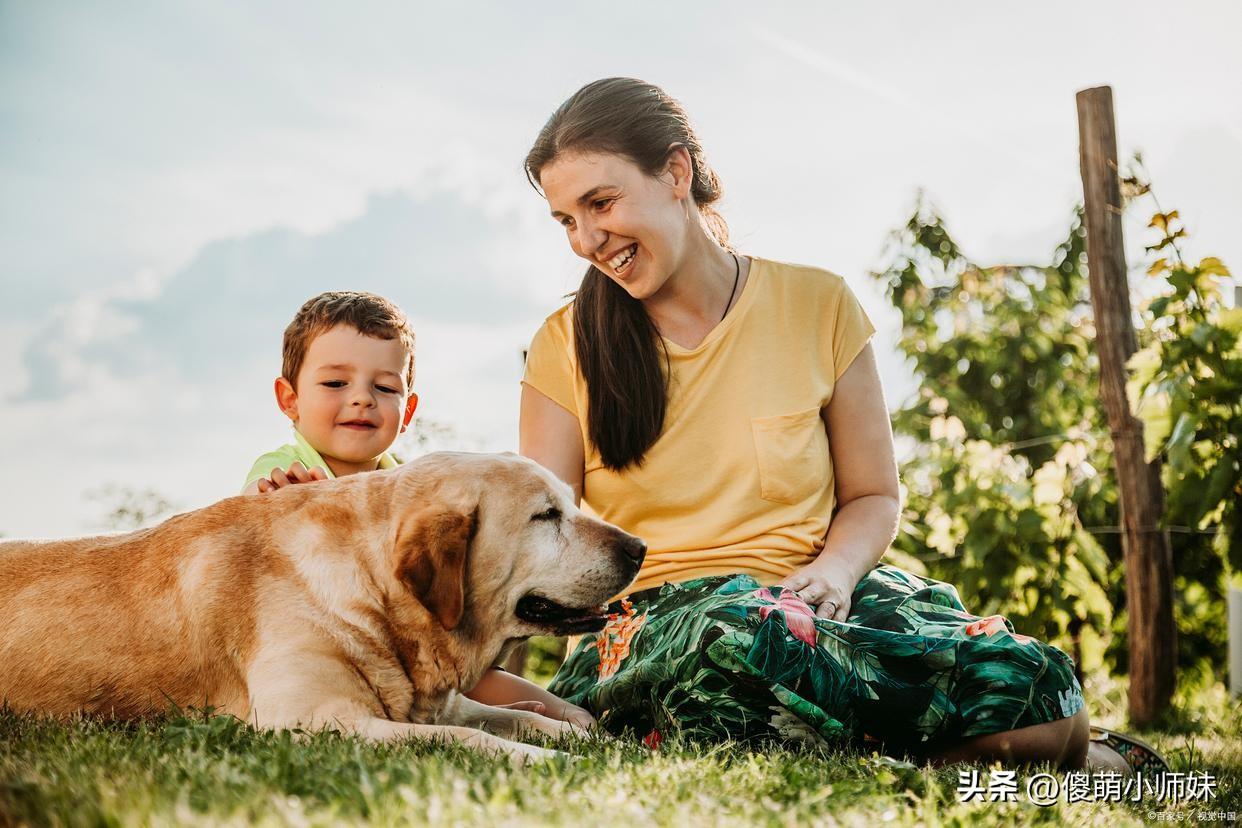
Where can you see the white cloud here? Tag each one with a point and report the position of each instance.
(439, 256)
(166, 382)
(175, 180)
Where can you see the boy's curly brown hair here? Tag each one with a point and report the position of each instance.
(367, 313)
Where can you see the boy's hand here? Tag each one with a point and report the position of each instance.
(578, 720)
(560, 710)
(501, 689)
(530, 706)
(564, 712)
(578, 716)
(297, 473)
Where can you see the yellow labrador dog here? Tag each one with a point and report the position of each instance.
(363, 604)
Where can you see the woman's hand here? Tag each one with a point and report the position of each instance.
(826, 589)
(868, 497)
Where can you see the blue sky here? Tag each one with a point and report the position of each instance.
(176, 178)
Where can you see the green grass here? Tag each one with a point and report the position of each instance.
(215, 770)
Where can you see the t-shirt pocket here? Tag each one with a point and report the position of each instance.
(792, 453)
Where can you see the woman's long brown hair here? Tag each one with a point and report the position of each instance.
(620, 352)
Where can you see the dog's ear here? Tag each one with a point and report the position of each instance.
(431, 551)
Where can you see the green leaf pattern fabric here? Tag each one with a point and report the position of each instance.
(724, 658)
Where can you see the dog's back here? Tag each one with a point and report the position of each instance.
(128, 624)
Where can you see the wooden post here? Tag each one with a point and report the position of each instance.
(1148, 560)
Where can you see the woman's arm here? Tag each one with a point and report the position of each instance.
(868, 499)
(551, 436)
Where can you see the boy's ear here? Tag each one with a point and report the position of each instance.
(410, 405)
(286, 398)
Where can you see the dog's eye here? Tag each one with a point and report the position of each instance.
(548, 514)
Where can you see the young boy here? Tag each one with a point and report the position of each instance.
(346, 379)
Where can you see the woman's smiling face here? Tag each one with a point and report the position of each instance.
(630, 225)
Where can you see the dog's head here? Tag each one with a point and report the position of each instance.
(496, 541)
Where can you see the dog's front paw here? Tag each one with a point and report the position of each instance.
(534, 723)
(523, 754)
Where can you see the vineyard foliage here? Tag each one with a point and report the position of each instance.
(1010, 487)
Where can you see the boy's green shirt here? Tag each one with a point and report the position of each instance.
(302, 452)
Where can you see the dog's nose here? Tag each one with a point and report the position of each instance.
(634, 549)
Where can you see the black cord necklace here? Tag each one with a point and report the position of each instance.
(737, 273)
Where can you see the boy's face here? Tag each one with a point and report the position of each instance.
(351, 399)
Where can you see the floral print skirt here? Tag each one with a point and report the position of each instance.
(724, 658)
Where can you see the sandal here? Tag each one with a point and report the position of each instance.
(1140, 756)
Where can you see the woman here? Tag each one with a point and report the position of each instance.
(728, 410)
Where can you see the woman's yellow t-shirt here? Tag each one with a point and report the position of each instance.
(740, 480)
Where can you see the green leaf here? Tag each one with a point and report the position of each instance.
(1180, 440)
(1230, 320)
(1092, 556)
(1143, 366)
(1182, 281)
(1201, 335)
(1159, 306)
(1222, 480)
(1212, 266)
(1157, 422)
